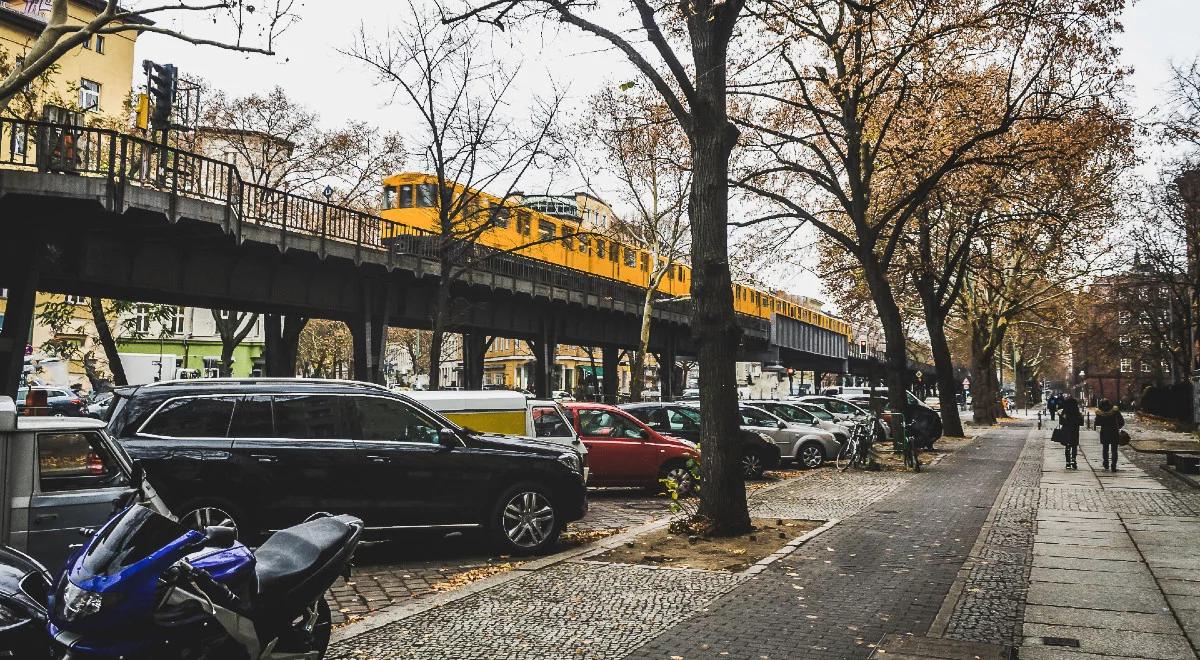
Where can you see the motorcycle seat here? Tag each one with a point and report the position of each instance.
(297, 554)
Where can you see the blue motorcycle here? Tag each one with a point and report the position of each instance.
(146, 587)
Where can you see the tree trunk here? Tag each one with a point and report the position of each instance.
(714, 326)
(947, 381)
(985, 393)
(108, 343)
(637, 369)
(439, 323)
(895, 350)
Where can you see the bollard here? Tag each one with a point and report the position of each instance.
(1089, 418)
(1039, 420)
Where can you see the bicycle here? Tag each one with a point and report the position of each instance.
(857, 447)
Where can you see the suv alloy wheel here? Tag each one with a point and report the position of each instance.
(810, 455)
(524, 520)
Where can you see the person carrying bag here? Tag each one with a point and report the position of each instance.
(1070, 419)
(1110, 422)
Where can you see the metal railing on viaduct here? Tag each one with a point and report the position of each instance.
(139, 180)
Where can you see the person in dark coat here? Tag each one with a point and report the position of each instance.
(1052, 405)
(1070, 419)
(1109, 421)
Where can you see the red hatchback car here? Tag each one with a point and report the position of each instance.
(622, 451)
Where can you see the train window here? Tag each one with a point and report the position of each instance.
(584, 243)
(630, 257)
(546, 230)
(426, 195)
(406, 197)
(600, 245)
(682, 274)
(614, 252)
(566, 236)
(500, 215)
(645, 262)
(389, 197)
(671, 272)
(523, 223)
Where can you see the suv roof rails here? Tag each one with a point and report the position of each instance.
(256, 381)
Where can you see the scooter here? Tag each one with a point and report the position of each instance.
(146, 587)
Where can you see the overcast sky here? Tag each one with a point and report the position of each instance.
(310, 68)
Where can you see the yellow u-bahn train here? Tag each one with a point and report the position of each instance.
(409, 199)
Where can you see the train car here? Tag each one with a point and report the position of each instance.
(409, 209)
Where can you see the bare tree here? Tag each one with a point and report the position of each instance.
(642, 148)
(106, 322)
(261, 21)
(662, 38)
(862, 109)
(233, 327)
(468, 141)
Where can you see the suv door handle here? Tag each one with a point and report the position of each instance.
(45, 517)
(372, 458)
(265, 458)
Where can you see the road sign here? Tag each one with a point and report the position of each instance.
(966, 382)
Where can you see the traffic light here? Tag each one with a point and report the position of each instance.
(161, 83)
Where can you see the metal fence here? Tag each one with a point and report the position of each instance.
(124, 160)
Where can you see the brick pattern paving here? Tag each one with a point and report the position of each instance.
(991, 606)
(887, 569)
(399, 572)
(1096, 500)
(827, 494)
(572, 610)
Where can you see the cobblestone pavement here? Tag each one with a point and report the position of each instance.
(581, 609)
(886, 569)
(991, 606)
(398, 572)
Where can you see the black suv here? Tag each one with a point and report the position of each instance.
(265, 454)
(758, 454)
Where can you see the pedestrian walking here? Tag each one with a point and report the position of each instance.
(1070, 419)
(1052, 405)
(1109, 421)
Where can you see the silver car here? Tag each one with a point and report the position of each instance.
(794, 413)
(808, 446)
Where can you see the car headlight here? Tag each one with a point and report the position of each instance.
(78, 603)
(571, 460)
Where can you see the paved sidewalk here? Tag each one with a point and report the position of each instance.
(1115, 573)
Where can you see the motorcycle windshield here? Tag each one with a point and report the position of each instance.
(136, 534)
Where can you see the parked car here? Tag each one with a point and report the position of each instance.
(806, 446)
(561, 396)
(59, 401)
(794, 414)
(507, 413)
(98, 404)
(759, 452)
(841, 409)
(264, 454)
(57, 475)
(623, 451)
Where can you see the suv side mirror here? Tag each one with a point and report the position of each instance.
(448, 438)
(219, 537)
(782, 425)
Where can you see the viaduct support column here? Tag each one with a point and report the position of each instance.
(610, 359)
(666, 370)
(282, 343)
(474, 348)
(369, 332)
(544, 350)
(18, 322)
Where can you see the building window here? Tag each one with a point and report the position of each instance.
(1124, 340)
(89, 95)
(1166, 368)
(177, 321)
(141, 318)
(16, 141)
(3, 293)
(75, 300)
(100, 44)
(87, 43)
(1123, 316)
(1145, 367)
(1126, 365)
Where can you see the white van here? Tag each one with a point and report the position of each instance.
(507, 413)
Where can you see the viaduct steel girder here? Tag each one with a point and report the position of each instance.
(159, 247)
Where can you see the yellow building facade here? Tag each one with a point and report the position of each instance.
(96, 77)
